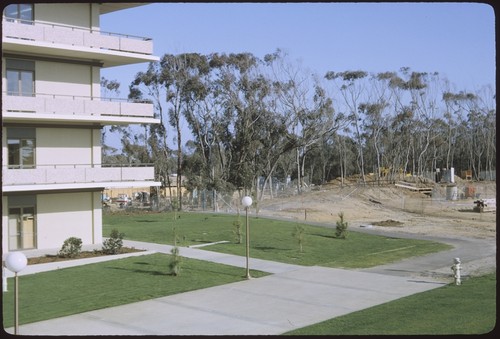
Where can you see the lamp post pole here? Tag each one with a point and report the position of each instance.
(16, 303)
(16, 262)
(247, 202)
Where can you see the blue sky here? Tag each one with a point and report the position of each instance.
(455, 39)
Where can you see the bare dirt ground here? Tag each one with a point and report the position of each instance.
(389, 206)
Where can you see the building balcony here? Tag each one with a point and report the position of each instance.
(40, 38)
(50, 108)
(75, 177)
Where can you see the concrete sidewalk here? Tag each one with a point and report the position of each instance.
(293, 297)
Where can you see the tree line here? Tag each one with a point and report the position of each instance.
(253, 120)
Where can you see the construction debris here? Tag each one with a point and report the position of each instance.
(485, 205)
(413, 186)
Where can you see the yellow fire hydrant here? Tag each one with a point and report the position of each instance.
(456, 268)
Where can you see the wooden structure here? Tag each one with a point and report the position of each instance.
(466, 175)
(412, 186)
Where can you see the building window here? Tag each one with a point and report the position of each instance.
(22, 222)
(20, 77)
(20, 12)
(21, 147)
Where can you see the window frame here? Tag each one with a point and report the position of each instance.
(20, 83)
(17, 13)
(22, 209)
(22, 215)
(15, 72)
(24, 138)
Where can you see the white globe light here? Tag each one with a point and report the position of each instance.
(16, 261)
(246, 201)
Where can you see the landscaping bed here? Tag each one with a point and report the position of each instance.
(48, 258)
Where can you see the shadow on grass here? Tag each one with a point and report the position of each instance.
(215, 272)
(150, 272)
(270, 248)
(323, 235)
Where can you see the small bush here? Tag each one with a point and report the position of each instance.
(341, 229)
(71, 248)
(237, 231)
(298, 234)
(175, 262)
(114, 244)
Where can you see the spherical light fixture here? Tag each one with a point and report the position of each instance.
(246, 201)
(16, 261)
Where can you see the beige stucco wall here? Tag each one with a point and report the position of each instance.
(60, 216)
(64, 79)
(73, 146)
(74, 14)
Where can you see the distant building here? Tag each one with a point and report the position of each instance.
(52, 116)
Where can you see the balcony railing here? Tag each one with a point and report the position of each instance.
(71, 174)
(77, 36)
(76, 105)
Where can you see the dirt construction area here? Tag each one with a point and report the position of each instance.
(389, 206)
(396, 209)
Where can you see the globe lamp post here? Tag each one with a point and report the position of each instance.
(247, 202)
(16, 262)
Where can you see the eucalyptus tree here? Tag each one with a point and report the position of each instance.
(317, 123)
(452, 116)
(226, 115)
(244, 91)
(147, 86)
(202, 116)
(415, 103)
(351, 87)
(181, 76)
(109, 88)
(478, 121)
(475, 144)
(275, 144)
(487, 104)
(172, 82)
(422, 89)
(374, 127)
(346, 149)
(305, 108)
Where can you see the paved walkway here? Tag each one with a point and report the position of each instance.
(292, 297)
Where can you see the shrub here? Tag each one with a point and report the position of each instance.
(298, 234)
(114, 244)
(71, 248)
(175, 262)
(341, 229)
(237, 231)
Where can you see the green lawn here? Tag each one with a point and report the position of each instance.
(450, 310)
(269, 239)
(90, 287)
(94, 286)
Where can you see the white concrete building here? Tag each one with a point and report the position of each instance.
(52, 116)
